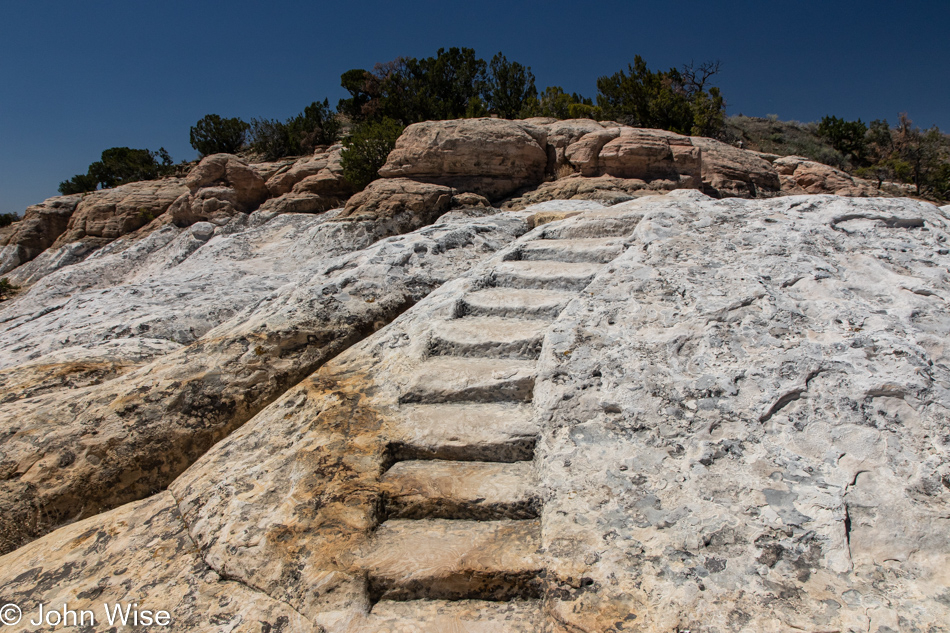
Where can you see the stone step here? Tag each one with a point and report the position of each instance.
(462, 616)
(470, 432)
(478, 491)
(492, 337)
(515, 302)
(591, 250)
(596, 224)
(439, 559)
(456, 379)
(545, 275)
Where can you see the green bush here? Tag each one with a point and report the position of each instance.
(317, 125)
(7, 219)
(848, 137)
(508, 86)
(675, 100)
(214, 135)
(554, 102)
(365, 150)
(118, 166)
(453, 84)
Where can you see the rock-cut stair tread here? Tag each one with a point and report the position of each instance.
(462, 616)
(498, 337)
(516, 302)
(455, 560)
(483, 491)
(591, 250)
(458, 379)
(497, 432)
(546, 274)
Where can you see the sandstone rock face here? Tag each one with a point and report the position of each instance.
(310, 185)
(103, 216)
(800, 175)
(401, 202)
(41, 226)
(729, 172)
(605, 189)
(490, 157)
(625, 152)
(225, 320)
(220, 186)
(675, 413)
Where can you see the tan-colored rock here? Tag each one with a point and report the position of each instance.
(40, 227)
(729, 172)
(139, 554)
(802, 176)
(605, 189)
(651, 155)
(111, 213)
(326, 161)
(470, 200)
(400, 201)
(584, 154)
(490, 157)
(299, 203)
(561, 134)
(220, 186)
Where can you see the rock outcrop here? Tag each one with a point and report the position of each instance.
(310, 185)
(103, 216)
(674, 413)
(401, 202)
(490, 157)
(40, 227)
(219, 187)
(800, 175)
(729, 172)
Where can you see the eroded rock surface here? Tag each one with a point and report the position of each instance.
(490, 157)
(289, 298)
(706, 415)
(800, 175)
(41, 226)
(103, 216)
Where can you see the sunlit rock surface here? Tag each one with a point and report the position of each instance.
(675, 413)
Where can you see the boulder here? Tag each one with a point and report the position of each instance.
(490, 157)
(41, 225)
(652, 155)
(404, 202)
(561, 134)
(299, 203)
(239, 187)
(584, 154)
(326, 161)
(800, 176)
(729, 172)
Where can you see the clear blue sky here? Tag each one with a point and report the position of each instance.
(79, 77)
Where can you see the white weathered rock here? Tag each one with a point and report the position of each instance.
(739, 423)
